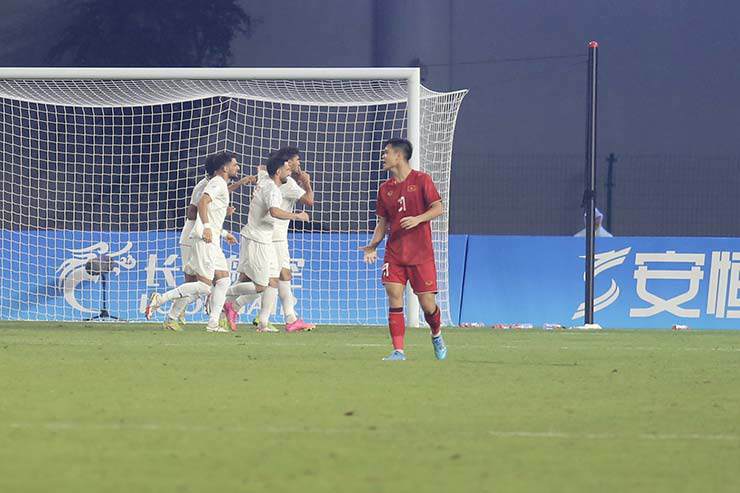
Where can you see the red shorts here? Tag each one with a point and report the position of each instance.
(423, 277)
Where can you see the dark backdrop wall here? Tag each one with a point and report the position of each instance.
(668, 106)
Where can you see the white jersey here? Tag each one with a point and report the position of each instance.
(218, 190)
(260, 223)
(194, 199)
(292, 193)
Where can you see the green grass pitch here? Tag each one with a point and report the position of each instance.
(132, 408)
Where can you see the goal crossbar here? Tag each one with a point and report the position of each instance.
(207, 73)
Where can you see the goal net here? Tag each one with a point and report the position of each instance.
(97, 173)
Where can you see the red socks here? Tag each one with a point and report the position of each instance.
(397, 326)
(434, 322)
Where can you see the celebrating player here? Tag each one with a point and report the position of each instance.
(259, 270)
(177, 310)
(407, 202)
(294, 190)
(207, 261)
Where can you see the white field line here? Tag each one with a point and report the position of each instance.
(158, 427)
(251, 342)
(620, 348)
(612, 436)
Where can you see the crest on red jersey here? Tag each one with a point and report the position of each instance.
(411, 188)
(390, 194)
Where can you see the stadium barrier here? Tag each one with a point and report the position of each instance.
(641, 282)
(48, 275)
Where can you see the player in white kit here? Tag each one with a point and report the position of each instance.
(177, 310)
(259, 269)
(207, 261)
(296, 189)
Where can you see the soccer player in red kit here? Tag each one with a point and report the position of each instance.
(407, 202)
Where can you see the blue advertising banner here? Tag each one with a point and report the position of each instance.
(640, 282)
(46, 275)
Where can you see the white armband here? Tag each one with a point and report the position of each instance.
(206, 225)
(224, 233)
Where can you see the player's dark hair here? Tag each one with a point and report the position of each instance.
(217, 161)
(288, 152)
(402, 145)
(274, 163)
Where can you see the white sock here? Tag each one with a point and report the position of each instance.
(241, 288)
(287, 300)
(178, 307)
(269, 295)
(218, 297)
(245, 300)
(186, 290)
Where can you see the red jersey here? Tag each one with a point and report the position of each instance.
(397, 200)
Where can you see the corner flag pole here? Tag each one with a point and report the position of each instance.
(589, 194)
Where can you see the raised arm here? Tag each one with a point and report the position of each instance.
(247, 180)
(304, 180)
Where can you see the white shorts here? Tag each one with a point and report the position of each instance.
(206, 259)
(258, 261)
(283, 254)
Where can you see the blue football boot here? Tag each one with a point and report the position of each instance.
(440, 350)
(395, 356)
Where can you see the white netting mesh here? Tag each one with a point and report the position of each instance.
(103, 169)
(122, 93)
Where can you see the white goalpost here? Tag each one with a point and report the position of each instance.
(98, 164)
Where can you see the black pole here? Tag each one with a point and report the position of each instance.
(609, 186)
(589, 195)
(104, 313)
(104, 287)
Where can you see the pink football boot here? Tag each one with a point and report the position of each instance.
(299, 325)
(231, 315)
